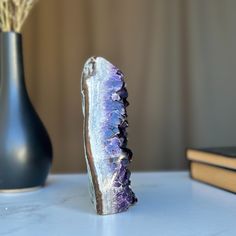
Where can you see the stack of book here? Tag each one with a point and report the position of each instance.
(214, 166)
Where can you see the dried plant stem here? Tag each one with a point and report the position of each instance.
(13, 14)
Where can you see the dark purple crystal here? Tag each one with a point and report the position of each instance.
(104, 103)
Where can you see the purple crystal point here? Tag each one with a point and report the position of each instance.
(105, 121)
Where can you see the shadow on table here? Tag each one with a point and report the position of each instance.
(77, 197)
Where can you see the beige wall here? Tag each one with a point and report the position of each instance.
(179, 59)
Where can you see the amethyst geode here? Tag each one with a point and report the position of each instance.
(105, 122)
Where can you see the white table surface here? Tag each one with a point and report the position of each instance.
(170, 203)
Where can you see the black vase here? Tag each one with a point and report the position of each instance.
(25, 146)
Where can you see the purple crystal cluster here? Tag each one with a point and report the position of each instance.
(105, 101)
(116, 138)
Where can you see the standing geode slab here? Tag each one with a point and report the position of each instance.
(105, 121)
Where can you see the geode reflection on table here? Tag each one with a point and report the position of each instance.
(105, 122)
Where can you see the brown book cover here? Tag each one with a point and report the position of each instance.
(213, 175)
(218, 156)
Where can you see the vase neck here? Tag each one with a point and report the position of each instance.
(11, 61)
